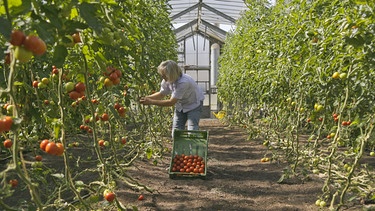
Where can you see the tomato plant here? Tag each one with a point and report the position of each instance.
(291, 77)
(50, 82)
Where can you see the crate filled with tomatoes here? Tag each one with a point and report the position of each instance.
(189, 154)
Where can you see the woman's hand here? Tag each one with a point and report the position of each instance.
(145, 101)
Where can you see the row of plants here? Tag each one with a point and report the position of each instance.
(308, 68)
(71, 76)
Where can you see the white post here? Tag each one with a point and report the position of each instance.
(215, 52)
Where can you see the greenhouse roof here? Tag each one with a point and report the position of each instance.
(205, 17)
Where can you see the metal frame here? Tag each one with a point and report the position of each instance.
(202, 18)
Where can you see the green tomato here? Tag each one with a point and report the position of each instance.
(45, 81)
(323, 204)
(319, 108)
(55, 77)
(10, 109)
(343, 75)
(37, 164)
(106, 143)
(106, 191)
(22, 54)
(372, 154)
(317, 202)
(94, 198)
(69, 87)
(336, 75)
(42, 85)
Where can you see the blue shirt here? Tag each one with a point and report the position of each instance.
(185, 90)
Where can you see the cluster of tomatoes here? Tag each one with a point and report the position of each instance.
(51, 147)
(85, 128)
(75, 90)
(26, 46)
(113, 76)
(120, 109)
(188, 164)
(343, 123)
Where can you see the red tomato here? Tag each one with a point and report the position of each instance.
(60, 149)
(43, 144)
(6, 123)
(105, 117)
(119, 73)
(140, 198)
(13, 182)
(41, 48)
(17, 37)
(101, 143)
(76, 37)
(8, 143)
(55, 71)
(117, 106)
(110, 196)
(121, 110)
(113, 76)
(34, 44)
(7, 58)
(74, 95)
(35, 84)
(38, 158)
(116, 81)
(52, 148)
(80, 87)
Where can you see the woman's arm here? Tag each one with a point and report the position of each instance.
(151, 101)
(156, 96)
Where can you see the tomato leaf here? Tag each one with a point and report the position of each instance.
(6, 27)
(59, 56)
(87, 12)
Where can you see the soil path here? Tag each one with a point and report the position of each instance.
(236, 180)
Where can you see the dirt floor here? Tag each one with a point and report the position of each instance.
(235, 180)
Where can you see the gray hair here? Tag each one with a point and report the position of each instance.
(170, 69)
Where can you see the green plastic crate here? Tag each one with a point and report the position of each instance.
(189, 143)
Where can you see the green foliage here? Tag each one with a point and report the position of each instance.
(282, 59)
(132, 36)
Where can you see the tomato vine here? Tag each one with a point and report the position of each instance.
(86, 42)
(308, 66)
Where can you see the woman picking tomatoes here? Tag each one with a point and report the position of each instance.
(186, 96)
